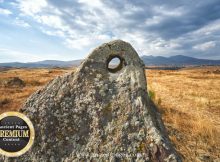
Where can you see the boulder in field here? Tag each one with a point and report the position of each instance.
(98, 113)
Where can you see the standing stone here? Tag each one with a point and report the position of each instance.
(98, 113)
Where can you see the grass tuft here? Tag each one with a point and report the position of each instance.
(151, 94)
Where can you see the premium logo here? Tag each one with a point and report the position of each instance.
(16, 134)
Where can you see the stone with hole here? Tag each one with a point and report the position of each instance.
(98, 113)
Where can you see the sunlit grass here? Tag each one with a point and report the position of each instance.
(190, 102)
(33, 78)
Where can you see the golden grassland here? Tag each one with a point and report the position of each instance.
(188, 99)
(11, 98)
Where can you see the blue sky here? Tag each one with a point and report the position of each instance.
(34, 30)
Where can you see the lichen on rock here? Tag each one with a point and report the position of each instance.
(98, 114)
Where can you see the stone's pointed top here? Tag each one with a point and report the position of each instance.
(98, 110)
(117, 41)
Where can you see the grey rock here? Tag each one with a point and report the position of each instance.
(14, 82)
(98, 113)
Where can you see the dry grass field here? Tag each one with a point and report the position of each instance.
(189, 100)
(11, 98)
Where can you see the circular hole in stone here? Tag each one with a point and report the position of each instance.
(114, 64)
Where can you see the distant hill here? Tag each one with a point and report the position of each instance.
(178, 60)
(40, 64)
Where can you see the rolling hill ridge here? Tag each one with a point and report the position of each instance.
(177, 60)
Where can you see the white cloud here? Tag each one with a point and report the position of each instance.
(205, 46)
(52, 21)
(53, 32)
(31, 7)
(21, 23)
(86, 41)
(153, 20)
(153, 28)
(10, 54)
(162, 13)
(94, 3)
(132, 8)
(169, 12)
(209, 28)
(5, 11)
(83, 34)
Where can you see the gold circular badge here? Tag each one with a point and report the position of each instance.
(16, 134)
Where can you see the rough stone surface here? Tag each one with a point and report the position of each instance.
(98, 114)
